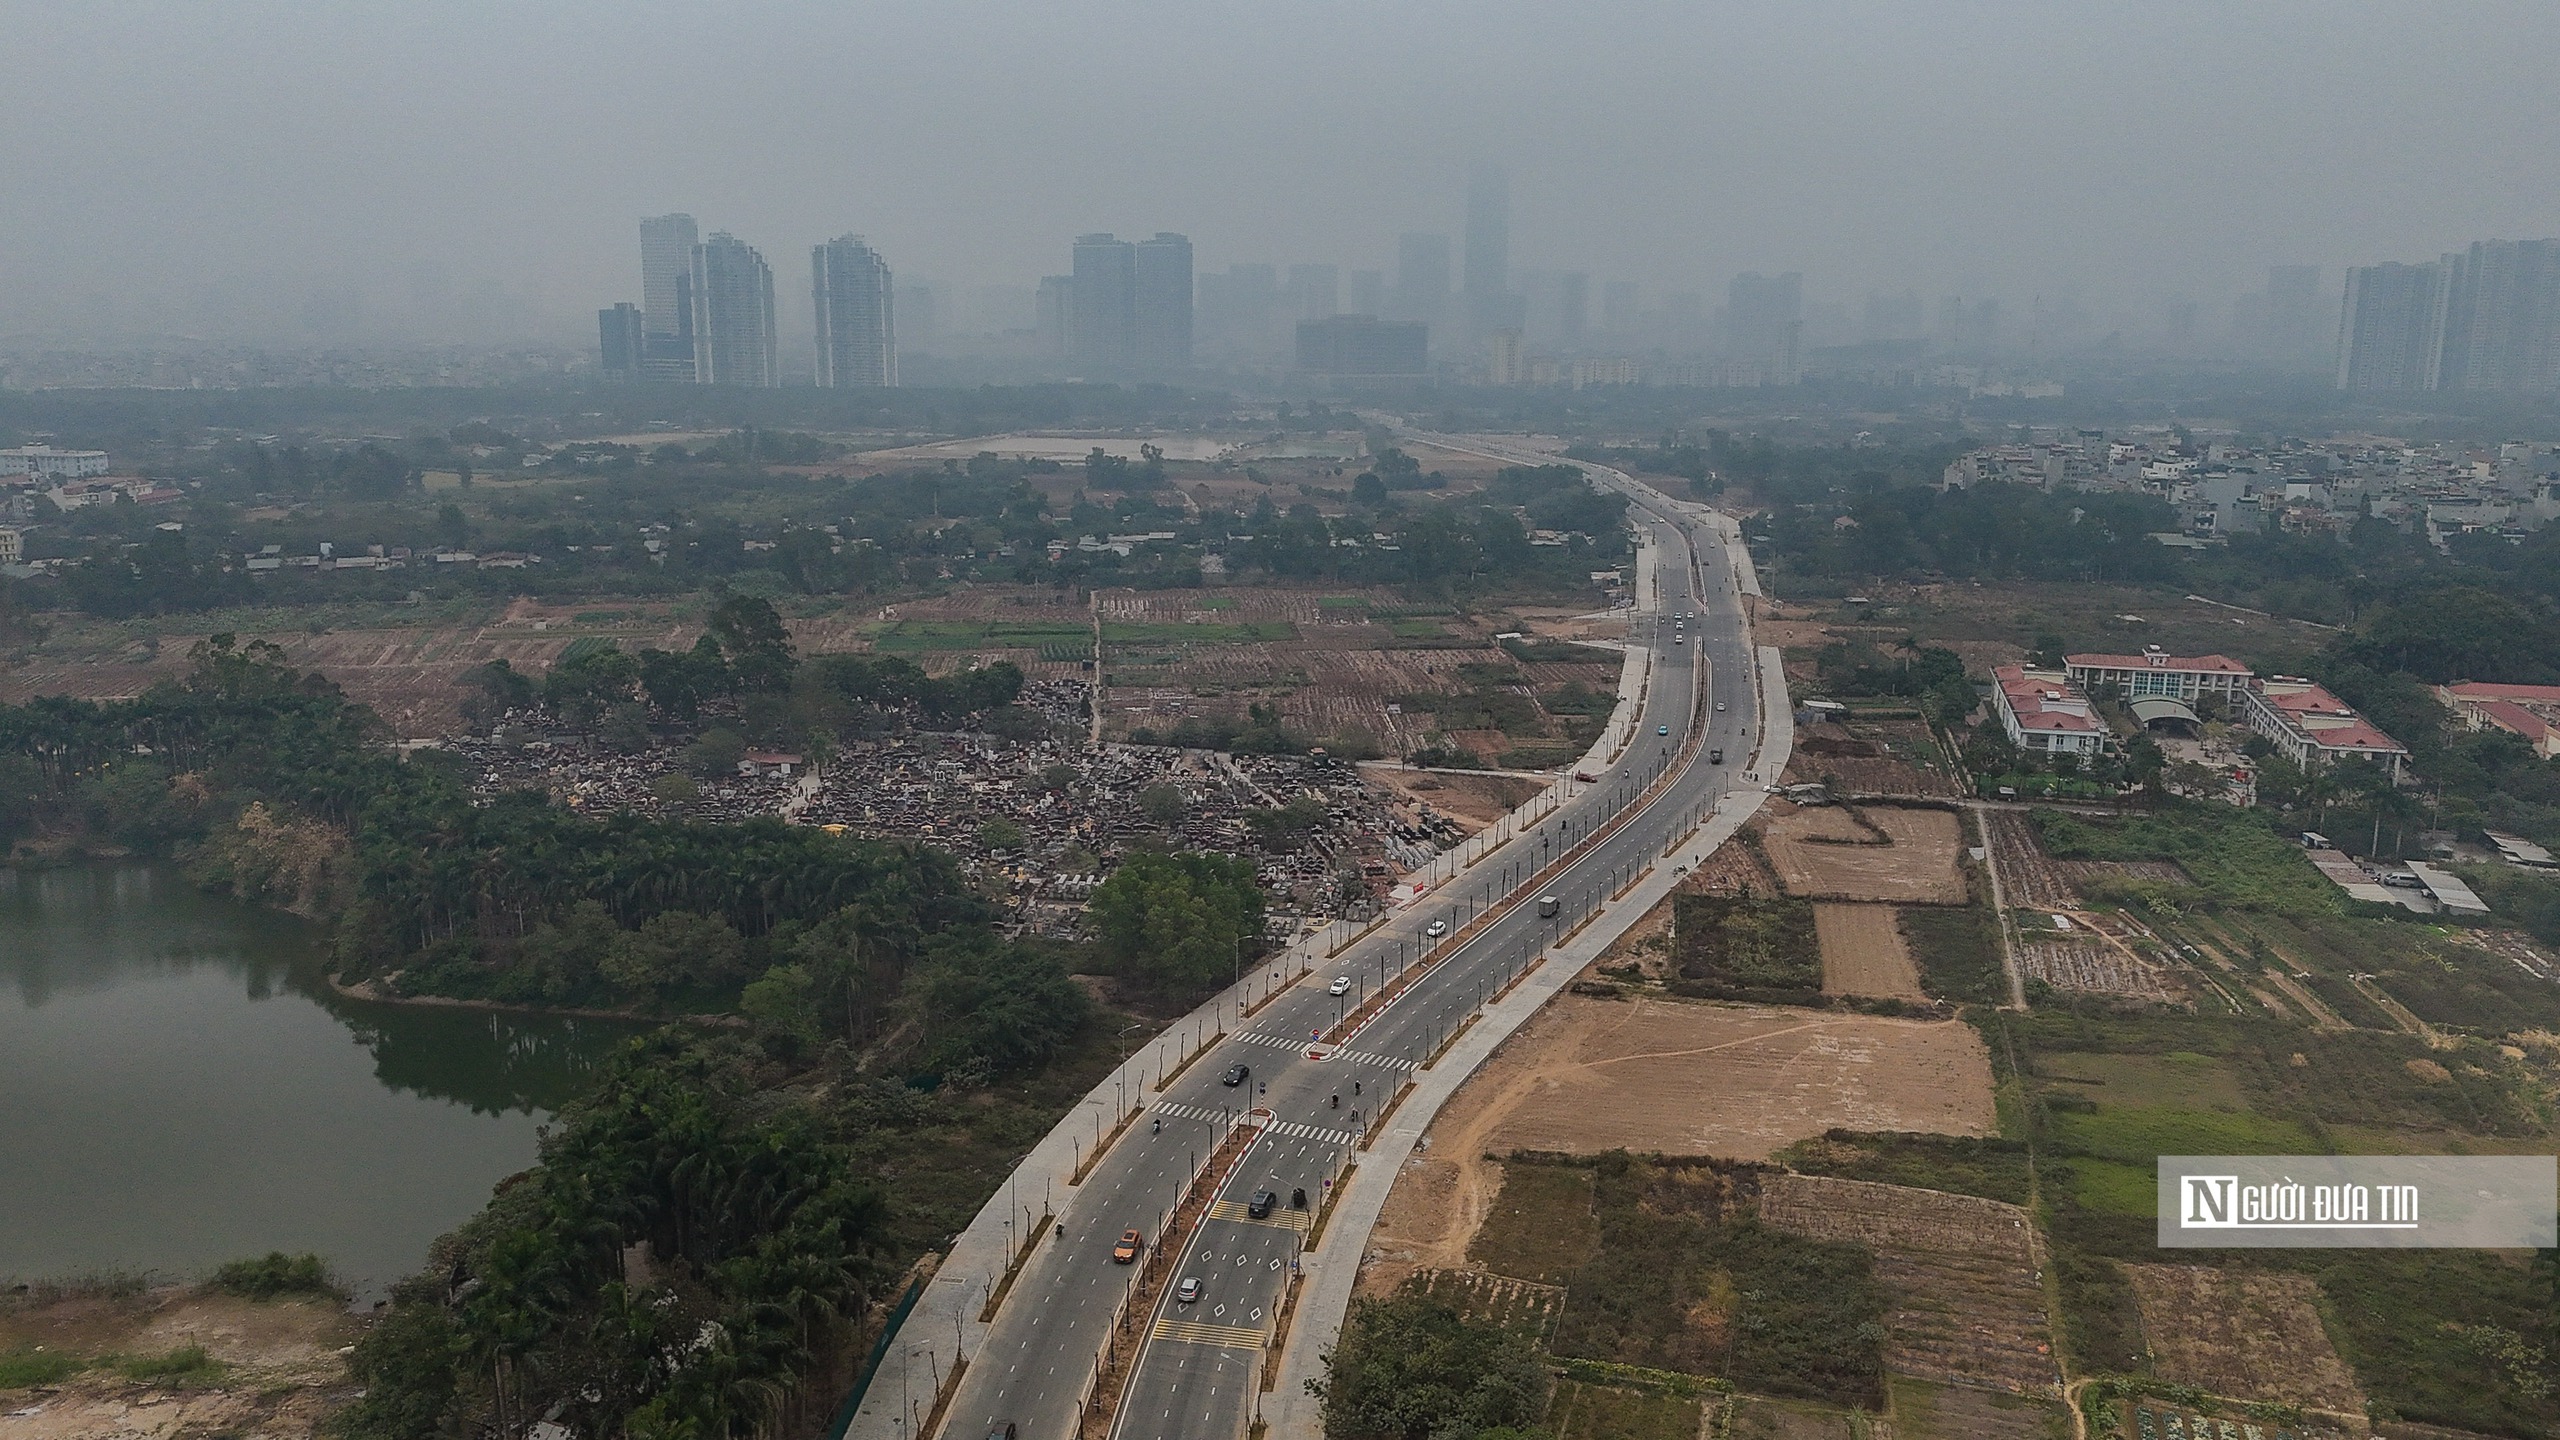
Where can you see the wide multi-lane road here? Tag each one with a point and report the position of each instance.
(1198, 1364)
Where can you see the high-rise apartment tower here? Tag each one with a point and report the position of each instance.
(733, 327)
(857, 327)
(666, 296)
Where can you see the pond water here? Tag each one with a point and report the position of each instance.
(180, 1087)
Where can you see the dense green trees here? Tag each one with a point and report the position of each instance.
(757, 1245)
(1412, 1368)
(1180, 923)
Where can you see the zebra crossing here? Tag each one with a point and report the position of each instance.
(1291, 1128)
(1279, 1219)
(1241, 1337)
(1357, 1057)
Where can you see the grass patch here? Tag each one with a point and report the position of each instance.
(1958, 950)
(184, 1368)
(1739, 947)
(2101, 1316)
(2140, 1134)
(1541, 1226)
(22, 1368)
(1580, 1411)
(1683, 1279)
(275, 1274)
(1994, 1169)
(2111, 1187)
(2234, 857)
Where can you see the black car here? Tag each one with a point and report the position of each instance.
(1261, 1204)
(1235, 1076)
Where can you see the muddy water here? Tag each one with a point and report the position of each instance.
(179, 1087)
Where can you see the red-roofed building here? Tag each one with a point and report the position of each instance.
(2044, 715)
(2313, 727)
(2157, 673)
(2530, 711)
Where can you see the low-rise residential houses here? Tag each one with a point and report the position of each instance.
(2219, 488)
(2312, 727)
(2045, 714)
(2530, 712)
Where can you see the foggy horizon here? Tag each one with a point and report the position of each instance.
(253, 172)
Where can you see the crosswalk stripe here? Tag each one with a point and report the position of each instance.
(1242, 1336)
(1279, 1219)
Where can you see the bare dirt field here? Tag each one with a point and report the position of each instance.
(1967, 1307)
(1832, 853)
(1677, 1078)
(1863, 952)
(282, 1372)
(2250, 1334)
(1473, 800)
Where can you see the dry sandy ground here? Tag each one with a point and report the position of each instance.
(2254, 1335)
(1863, 952)
(1474, 801)
(287, 1373)
(1826, 853)
(1675, 1078)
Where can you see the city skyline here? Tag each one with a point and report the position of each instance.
(1868, 147)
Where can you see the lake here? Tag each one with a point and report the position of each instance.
(179, 1087)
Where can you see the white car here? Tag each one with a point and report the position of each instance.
(1719, 707)
(1436, 929)
(1341, 986)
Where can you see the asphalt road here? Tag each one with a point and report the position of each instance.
(1198, 1372)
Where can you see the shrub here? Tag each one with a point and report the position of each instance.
(275, 1273)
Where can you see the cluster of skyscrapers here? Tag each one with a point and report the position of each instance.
(2483, 319)
(1124, 309)
(706, 314)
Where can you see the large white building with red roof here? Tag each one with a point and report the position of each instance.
(2312, 727)
(2530, 711)
(2044, 714)
(2155, 673)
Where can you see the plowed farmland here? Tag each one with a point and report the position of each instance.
(2253, 1334)
(1967, 1304)
(1864, 953)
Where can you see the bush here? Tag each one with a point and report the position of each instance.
(273, 1274)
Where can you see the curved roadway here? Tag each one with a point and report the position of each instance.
(1198, 1372)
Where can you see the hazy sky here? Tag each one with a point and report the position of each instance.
(223, 163)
